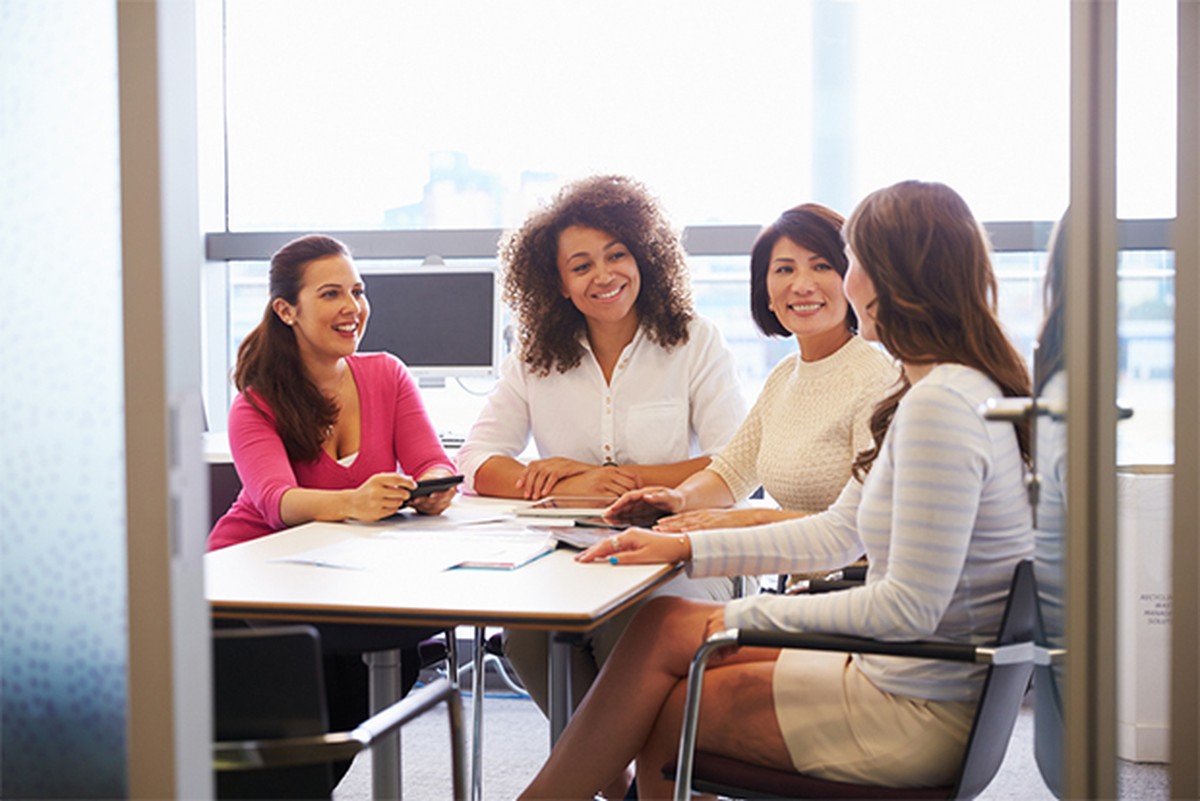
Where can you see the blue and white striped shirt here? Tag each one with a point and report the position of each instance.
(943, 517)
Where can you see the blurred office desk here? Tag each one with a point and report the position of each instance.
(405, 586)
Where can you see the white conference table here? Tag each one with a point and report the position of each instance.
(393, 572)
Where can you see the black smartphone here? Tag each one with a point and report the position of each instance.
(432, 485)
(618, 524)
(600, 522)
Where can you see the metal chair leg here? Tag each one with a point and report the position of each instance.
(477, 716)
(691, 710)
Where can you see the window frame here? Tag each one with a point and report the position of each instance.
(223, 247)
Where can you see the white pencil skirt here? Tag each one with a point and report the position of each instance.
(839, 726)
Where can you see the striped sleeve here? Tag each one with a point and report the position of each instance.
(825, 541)
(916, 518)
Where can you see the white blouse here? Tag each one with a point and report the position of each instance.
(660, 407)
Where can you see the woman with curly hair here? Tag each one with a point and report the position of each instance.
(938, 504)
(617, 379)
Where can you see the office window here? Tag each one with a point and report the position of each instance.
(370, 114)
(1146, 356)
(379, 115)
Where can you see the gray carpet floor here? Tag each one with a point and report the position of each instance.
(516, 741)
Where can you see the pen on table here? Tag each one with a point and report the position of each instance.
(334, 565)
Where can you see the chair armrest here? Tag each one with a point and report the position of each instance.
(954, 652)
(412, 706)
(283, 752)
(818, 586)
(860, 645)
(855, 573)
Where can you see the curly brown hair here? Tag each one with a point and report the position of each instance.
(549, 325)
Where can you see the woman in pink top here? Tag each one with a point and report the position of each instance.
(319, 432)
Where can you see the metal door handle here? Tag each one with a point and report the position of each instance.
(1019, 408)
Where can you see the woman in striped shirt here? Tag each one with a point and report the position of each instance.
(938, 505)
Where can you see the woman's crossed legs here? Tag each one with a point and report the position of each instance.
(635, 708)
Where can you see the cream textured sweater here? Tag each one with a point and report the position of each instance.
(806, 427)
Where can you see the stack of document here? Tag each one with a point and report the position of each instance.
(494, 544)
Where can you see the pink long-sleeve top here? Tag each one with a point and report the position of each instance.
(396, 435)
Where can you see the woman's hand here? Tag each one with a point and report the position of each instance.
(709, 518)
(609, 481)
(436, 502)
(647, 502)
(638, 546)
(715, 625)
(540, 475)
(379, 496)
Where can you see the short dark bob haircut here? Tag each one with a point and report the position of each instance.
(811, 226)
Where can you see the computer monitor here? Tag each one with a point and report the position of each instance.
(438, 322)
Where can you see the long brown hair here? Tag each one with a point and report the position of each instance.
(549, 325)
(269, 362)
(930, 262)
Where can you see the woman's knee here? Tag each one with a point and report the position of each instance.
(673, 626)
(527, 650)
(663, 614)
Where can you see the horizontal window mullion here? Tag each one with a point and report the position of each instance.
(700, 240)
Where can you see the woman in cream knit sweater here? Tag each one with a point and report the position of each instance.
(812, 417)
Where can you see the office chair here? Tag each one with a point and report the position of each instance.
(273, 738)
(435, 650)
(844, 579)
(1010, 661)
(1049, 736)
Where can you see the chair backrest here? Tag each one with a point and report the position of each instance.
(1003, 689)
(268, 684)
